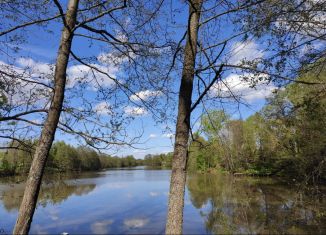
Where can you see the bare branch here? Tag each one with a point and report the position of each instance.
(29, 24)
(14, 117)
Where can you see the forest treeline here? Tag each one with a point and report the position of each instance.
(159, 160)
(287, 137)
(63, 157)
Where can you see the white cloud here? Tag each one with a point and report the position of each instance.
(103, 108)
(121, 36)
(135, 111)
(135, 223)
(109, 66)
(101, 227)
(154, 194)
(248, 50)
(152, 136)
(36, 68)
(110, 58)
(22, 87)
(94, 79)
(145, 95)
(235, 85)
(53, 214)
(308, 25)
(168, 135)
(38, 229)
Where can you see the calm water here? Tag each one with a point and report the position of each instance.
(135, 201)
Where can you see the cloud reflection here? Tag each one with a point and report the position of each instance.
(101, 227)
(154, 194)
(135, 223)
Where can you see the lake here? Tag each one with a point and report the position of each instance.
(135, 201)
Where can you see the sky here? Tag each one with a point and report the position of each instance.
(39, 53)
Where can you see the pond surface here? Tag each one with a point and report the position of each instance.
(135, 201)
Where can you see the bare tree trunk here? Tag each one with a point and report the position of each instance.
(178, 176)
(34, 179)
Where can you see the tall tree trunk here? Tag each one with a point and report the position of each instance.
(34, 179)
(178, 176)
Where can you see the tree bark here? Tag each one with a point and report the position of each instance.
(34, 179)
(178, 175)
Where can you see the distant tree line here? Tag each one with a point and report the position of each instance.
(63, 157)
(159, 160)
(287, 137)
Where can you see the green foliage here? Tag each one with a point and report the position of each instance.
(159, 160)
(89, 159)
(214, 122)
(62, 158)
(287, 137)
(3, 97)
(17, 158)
(202, 155)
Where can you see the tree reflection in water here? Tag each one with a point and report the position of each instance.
(135, 201)
(257, 205)
(55, 189)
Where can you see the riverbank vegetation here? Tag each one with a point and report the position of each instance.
(158, 160)
(286, 138)
(65, 158)
(62, 158)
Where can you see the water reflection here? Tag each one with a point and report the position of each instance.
(257, 205)
(135, 223)
(135, 201)
(55, 189)
(101, 227)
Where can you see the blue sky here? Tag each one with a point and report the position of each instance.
(40, 51)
